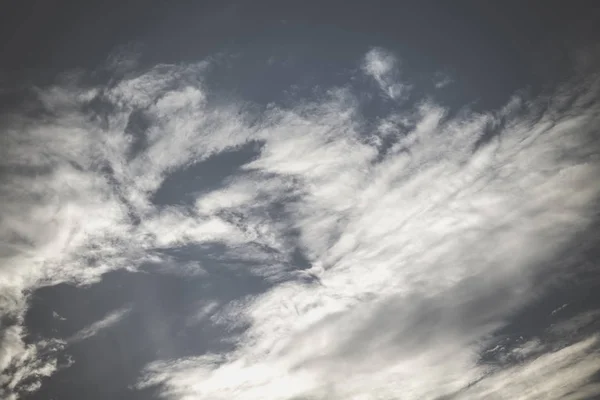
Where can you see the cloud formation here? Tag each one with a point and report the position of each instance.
(423, 236)
(106, 322)
(382, 66)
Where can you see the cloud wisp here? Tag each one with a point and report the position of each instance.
(382, 66)
(422, 237)
(109, 320)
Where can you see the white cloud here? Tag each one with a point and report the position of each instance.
(109, 320)
(23, 365)
(382, 66)
(417, 254)
(72, 197)
(205, 311)
(419, 257)
(556, 375)
(442, 80)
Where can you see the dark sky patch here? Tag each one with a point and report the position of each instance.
(181, 187)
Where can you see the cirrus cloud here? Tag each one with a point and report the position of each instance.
(422, 236)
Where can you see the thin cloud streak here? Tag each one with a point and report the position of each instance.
(98, 326)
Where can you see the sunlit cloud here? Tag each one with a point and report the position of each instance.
(419, 250)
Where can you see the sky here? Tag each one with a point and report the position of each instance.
(299, 200)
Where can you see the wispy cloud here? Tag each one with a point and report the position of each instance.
(419, 250)
(383, 67)
(419, 256)
(554, 375)
(77, 198)
(441, 80)
(105, 323)
(23, 365)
